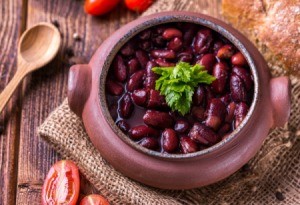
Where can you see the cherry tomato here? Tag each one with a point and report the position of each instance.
(99, 7)
(94, 199)
(62, 184)
(138, 5)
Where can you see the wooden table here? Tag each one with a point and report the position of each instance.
(24, 157)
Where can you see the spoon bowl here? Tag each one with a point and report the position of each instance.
(37, 47)
(40, 44)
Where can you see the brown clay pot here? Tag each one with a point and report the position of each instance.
(86, 94)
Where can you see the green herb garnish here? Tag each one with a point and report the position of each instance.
(178, 83)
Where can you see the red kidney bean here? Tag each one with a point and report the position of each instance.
(169, 140)
(127, 50)
(220, 72)
(217, 45)
(124, 126)
(240, 113)
(224, 129)
(145, 35)
(142, 57)
(151, 77)
(140, 131)
(150, 143)
(139, 97)
(185, 56)
(149, 82)
(244, 75)
(208, 61)
(175, 44)
(163, 63)
(230, 112)
(188, 36)
(120, 70)
(170, 33)
(198, 113)
(237, 89)
(202, 134)
(187, 145)
(166, 54)
(216, 107)
(199, 95)
(159, 41)
(203, 41)
(136, 80)
(126, 106)
(114, 88)
(238, 59)
(215, 113)
(181, 126)
(226, 99)
(156, 100)
(158, 119)
(225, 52)
(133, 66)
(149, 66)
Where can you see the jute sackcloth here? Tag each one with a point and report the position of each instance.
(275, 168)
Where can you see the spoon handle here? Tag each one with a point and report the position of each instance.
(11, 87)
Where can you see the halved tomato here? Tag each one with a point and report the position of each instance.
(62, 184)
(94, 199)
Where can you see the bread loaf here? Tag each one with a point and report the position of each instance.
(273, 26)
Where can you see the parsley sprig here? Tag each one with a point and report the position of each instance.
(178, 83)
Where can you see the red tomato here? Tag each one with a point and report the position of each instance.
(138, 5)
(94, 199)
(62, 184)
(99, 7)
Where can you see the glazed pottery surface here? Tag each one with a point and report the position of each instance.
(270, 108)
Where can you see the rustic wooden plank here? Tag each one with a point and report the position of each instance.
(46, 88)
(10, 28)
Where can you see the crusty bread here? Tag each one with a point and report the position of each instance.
(272, 25)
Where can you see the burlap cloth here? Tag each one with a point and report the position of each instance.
(275, 168)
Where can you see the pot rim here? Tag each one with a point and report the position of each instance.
(171, 17)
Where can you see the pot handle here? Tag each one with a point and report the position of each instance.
(79, 86)
(280, 89)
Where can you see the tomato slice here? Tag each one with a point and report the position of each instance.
(94, 199)
(62, 184)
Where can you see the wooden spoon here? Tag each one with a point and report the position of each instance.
(37, 47)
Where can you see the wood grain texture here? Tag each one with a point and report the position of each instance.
(48, 87)
(10, 28)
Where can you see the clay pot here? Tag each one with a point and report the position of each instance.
(86, 94)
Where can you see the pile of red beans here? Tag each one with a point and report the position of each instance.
(143, 114)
